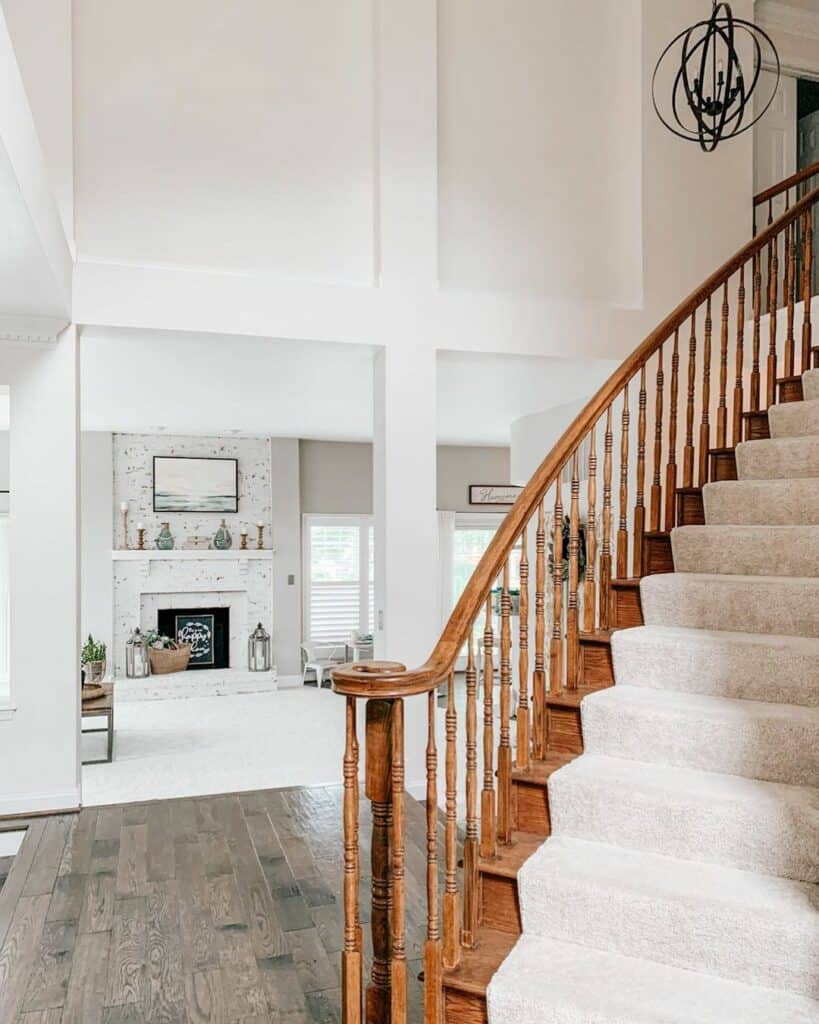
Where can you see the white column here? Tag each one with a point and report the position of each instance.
(39, 739)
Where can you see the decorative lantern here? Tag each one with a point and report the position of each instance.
(137, 657)
(258, 650)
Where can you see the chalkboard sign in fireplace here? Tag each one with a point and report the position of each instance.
(207, 630)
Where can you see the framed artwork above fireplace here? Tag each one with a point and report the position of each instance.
(188, 484)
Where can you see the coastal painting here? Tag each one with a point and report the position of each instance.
(195, 484)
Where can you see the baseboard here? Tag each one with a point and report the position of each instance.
(33, 804)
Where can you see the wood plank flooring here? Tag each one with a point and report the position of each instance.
(213, 910)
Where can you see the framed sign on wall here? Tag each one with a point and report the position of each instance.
(493, 494)
(188, 484)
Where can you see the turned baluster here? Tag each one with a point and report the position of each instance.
(656, 480)
(639, 504)
(807, 288)
(351, 965)
(773, 285)
(488, 792)
(722, 408)
(379, 791)
(622, 532)
(470, 912)
(756, 381)
(398, 971)
(523, 725)
(572, 620)
(688, 450)
(605, 549)
(671, 468)
(432, 947)
(505, 746)
(790, 297)
(539, 677)
(452, 948)
(556, 651)
(705, 422)
(739, 397)
(589, 583)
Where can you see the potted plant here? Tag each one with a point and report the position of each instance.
(92, 658)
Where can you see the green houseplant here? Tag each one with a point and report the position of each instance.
(93, 657)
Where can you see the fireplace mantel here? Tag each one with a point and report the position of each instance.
(192, 555)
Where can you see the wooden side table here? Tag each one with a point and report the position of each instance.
(102, 707)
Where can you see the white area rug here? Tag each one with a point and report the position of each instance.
(679, 883)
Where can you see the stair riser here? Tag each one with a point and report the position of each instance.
(680, 934)
(734, 670)
(771, 750)
(798, 419)
(763, 551)
(779, 459)
(761, 503)
(810, 380)
(773, 838)
(788, 607)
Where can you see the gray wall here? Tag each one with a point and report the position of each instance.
(336, 478)
(459, 466)
(286, 516)
(4, 460)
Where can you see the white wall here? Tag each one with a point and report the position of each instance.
(4, 460)
(38, 742)
(284, 454)
(97, 522)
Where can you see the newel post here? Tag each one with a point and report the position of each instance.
(378, 790)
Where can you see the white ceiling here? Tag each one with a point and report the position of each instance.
(206, 384)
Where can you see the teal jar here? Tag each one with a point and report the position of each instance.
(164, 541)
(222, 539)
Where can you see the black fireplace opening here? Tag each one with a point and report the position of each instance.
(207, 630)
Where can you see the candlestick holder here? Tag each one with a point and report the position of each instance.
(260, 537)
(141, 538)
(125, 529)
(243, 540)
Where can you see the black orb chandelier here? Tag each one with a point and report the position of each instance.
(712, 94)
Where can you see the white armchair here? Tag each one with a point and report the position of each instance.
(318, 660)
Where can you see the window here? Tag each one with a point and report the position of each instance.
(339, 577)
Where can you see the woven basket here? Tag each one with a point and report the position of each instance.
(170, 659)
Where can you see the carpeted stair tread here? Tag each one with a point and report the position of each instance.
(787, 605)
(749, 927)
(795, 419)
(747, 550)
(545, 981)
(778, 458)
(720, 663)
(762, 502)
(681, 812)
(810, 384)
(773, 742)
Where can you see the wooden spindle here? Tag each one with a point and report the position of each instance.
(705, 421)
(622, 532)
(722, 408)
(433, 991)
(470, 889)
(756, 382)
(539, 677)
(790, 297)
(671, 467)
(807, 288)
(739, 396)
(606, 617)
(556, 650)
(505, 746)
(488, 791)
(656, 500)
(590, 582)
(639, 504)
(398, 966)
(523, 725)
(351, 955)
(572, 616)
(378, 790)
(452, 946)
(773, 286)
(688, 450)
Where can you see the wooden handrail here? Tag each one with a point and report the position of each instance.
(386, 681)
(786, 184)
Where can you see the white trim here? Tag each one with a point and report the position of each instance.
(192, 555)
(36, 803)
(7, 711)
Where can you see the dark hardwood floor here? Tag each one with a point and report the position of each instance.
(213, 910)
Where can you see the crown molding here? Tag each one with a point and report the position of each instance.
(31, 328)
(774, 15)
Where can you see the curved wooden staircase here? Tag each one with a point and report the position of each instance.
(628, 470)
